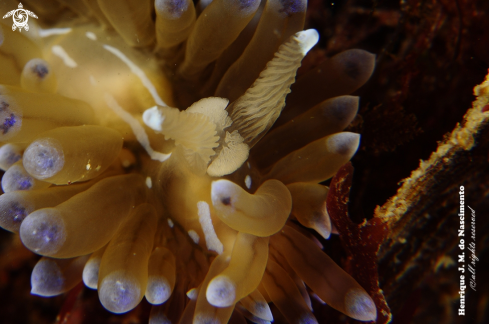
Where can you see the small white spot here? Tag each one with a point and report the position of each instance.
(61, 53)
(53, 31)
(92, 80)
(91, 35)
(120, 285)
(88, 166)
(248, 181)
(248, 164)
(170, 223)
(149, 183)
(126, 163)
(194, 236)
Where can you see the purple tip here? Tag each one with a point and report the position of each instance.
(173, 8)
(119, 293)
(12, 157)
(8, 123)
(45, 159)
(245, 4)
(43, 231)
(360, 305)
(46, 232)
(226, 201)
(47, 279)
(292, 6)
(20, 181)
(16, 212)
(40, 70)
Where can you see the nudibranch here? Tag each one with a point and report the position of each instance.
(200, 209)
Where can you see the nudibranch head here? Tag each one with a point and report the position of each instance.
(114, 186)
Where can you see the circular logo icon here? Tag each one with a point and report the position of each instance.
(20, 17)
